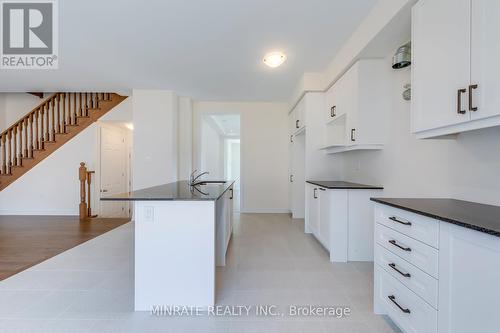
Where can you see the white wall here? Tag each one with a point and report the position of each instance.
(212, 150)
(264, 152)
(185, 138)
(154, 159)
(13, 106)
(466, 168)
(52, 187)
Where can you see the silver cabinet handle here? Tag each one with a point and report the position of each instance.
(395, 219)
(314, 193)
(393, 300)
(471, 88)
(291, 178)
(393, 242)
(104, 191)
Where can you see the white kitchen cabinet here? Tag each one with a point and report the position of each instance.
(356, 108)
(485, 53)
(454, 66)
(435, 276)
(224, 227)
(469, 294)
(340, 219)
(297, 118)
(312, 210)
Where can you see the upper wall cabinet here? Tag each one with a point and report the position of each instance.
(455, 66)
(357, 105)
(297, 120)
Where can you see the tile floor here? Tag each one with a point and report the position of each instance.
(270, 262)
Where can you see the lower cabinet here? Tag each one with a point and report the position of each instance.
(341, 220)
(447, 285)
(469, 281)
(224, 225)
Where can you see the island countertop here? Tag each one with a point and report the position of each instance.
(177, 191)
(341, 185)
(472, 215)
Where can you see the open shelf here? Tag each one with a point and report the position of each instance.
(335, 149)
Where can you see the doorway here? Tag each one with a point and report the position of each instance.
(114, 167)
(220, 149)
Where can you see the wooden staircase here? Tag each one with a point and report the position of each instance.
(47, 127)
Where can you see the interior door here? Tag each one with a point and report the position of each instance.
(114, 170)
(440, 62)
(485, 55)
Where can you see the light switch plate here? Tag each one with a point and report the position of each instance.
(149, 213)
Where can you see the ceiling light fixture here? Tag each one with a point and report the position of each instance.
(274, 59)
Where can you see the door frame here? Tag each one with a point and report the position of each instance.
(97, 179)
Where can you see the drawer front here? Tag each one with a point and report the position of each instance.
(404, 307)
(413, 225)
(417, 253)
(419, 282)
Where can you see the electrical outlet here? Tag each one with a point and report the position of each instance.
(149, 214)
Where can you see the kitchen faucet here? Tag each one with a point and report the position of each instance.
(193, 179)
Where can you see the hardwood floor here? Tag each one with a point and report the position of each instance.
(28, 240)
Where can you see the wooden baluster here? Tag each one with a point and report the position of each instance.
(86, 110)
(53, 119)
(14, 155)
(26, 145)
(20, 139)
(42, 127)
(9, 151)
(37, 132)
(73, 113)
(82, 175)
(31, 136)
(64, 122)
(4, 154)
(58, 113)
(80, 110)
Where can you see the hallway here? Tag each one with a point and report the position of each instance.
(270, 262)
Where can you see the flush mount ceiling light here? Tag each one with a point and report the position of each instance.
(274, 59)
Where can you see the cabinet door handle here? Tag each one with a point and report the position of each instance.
(231, 197)
(352, 134)
(471, 88)
(459, 100)
(393, 266)
(395, 219)
(393, 300)
(297, 123)
(332, 111)
(322, 189)
(314, 193)
(291, 178)
(291, 138)
(393, 242)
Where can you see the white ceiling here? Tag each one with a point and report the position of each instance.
(228, 124)
(206, 49)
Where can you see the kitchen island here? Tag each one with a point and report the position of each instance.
(181, 234)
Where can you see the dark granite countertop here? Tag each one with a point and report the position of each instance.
(476, 216)
(175, 191)
(329, 184)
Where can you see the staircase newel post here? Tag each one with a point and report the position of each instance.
(82, 176)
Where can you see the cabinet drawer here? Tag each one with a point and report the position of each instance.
(405, 308)
(419, 282)
(419, 254)
(413, 225)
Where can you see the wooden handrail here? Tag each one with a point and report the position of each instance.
(43, 124)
